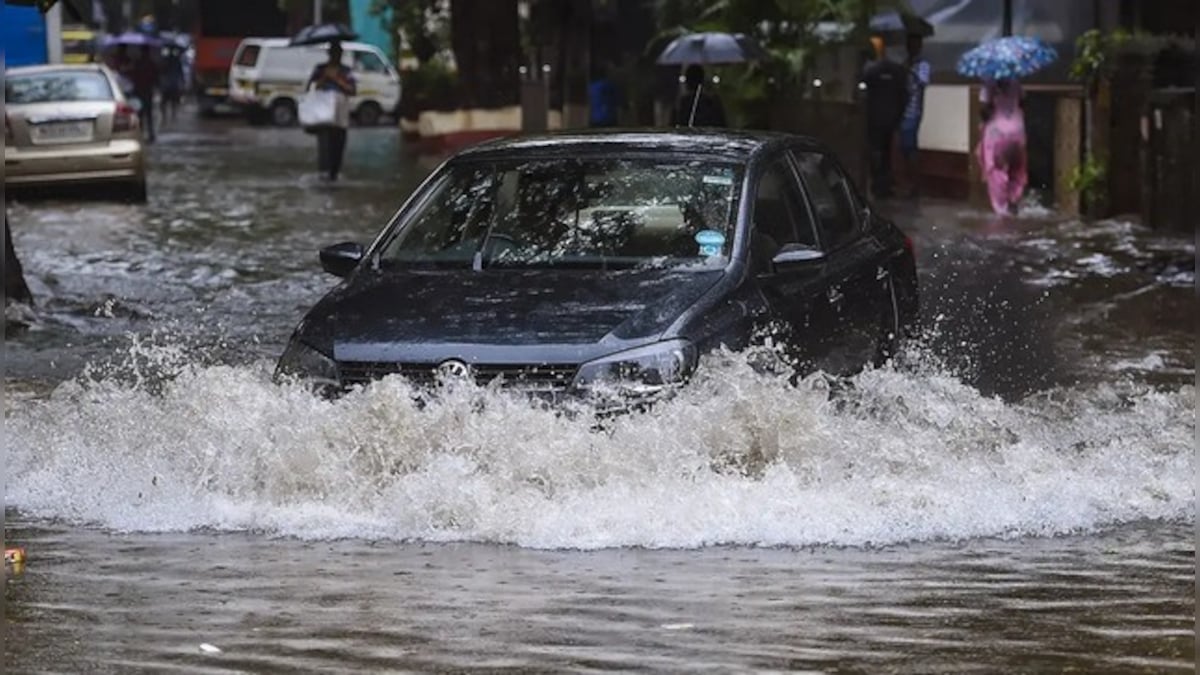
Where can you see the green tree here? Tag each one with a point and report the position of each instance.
(794, 32)
(421, 23)
(485, 37)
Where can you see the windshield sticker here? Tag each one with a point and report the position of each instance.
(717, 180)
(710, 242)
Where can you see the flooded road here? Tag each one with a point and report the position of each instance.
(1018, 495)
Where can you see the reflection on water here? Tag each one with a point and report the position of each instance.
(1018, 495)
(1122, 601)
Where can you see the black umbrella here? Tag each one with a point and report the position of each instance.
(900, 23)
(711, 48)
(321, 33)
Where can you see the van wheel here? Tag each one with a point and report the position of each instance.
(257, 116)
(283, 113)
(369, 114)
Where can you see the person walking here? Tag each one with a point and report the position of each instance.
(887, 97)
(145, 81)
(696, 107)
(603, 99)
(1002, 149)
(171, 86)
(332, 75)
(122, 64)
(910, 125)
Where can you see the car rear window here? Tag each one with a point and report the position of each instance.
(248, 56)
(82, 85)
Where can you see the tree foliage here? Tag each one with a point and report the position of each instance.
(793, 31)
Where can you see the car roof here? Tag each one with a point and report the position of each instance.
(54, 68)
(283, 42)
(733, 144)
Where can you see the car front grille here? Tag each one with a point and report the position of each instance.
(540, 377)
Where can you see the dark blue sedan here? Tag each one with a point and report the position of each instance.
(576, 262)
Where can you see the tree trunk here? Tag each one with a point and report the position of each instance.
(486, 41)
(15, 288)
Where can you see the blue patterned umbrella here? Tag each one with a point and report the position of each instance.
(1007, 57)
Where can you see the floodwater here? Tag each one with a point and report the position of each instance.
(1017, 495)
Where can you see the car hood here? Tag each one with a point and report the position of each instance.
(500, 315)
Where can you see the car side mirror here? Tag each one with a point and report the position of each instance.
(341, 259)
(798, 254)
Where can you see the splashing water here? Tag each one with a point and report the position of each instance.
(738, 458)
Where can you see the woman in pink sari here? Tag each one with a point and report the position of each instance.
(1001, 149)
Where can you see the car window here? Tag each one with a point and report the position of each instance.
(780, 214)
(450, 224)
(829, 193)
(80, 85)
(369, 62)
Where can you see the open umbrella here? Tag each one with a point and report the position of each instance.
(894, 22)
(1007, 57)
(174, 41)
(132, 38)
(322, 33)
(711, 48)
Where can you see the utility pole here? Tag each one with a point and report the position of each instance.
(316, 11)
(54, 43)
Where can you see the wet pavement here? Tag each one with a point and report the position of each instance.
(1019, 495)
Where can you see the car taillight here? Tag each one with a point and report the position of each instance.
(125, 119)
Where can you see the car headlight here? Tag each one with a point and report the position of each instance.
(645, 370)
(301, 361)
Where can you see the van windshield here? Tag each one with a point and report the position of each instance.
(604, 213)
(248, 56)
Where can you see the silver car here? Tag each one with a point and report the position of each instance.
(70, 124)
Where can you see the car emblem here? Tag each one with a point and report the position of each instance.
(454, 370)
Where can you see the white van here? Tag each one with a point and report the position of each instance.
(267, 78)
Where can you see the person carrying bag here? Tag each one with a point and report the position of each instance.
(325, 110)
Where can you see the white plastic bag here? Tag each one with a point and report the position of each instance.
(324, 109)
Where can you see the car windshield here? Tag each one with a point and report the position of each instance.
(63, 85)
(589, 213)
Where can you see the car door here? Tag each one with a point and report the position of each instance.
(794, 292)
(858, 290)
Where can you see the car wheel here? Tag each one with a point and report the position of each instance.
(369, 114)
(135, 192)
(889, 328)
(283, 113)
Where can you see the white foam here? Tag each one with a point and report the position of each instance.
(740, 458)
